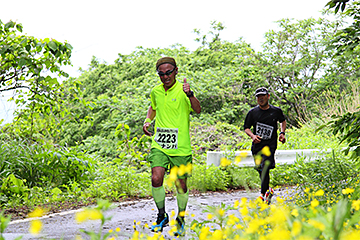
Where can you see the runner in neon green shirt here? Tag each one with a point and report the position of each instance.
(171, 104)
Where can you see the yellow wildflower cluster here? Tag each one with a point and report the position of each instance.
(88, 214)
(36, 225)
(175, 172)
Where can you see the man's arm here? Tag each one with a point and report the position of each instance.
(282, 132)
(255, 138)
(195, 103)
(149, 117)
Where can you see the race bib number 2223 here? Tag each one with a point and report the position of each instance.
(167, 138)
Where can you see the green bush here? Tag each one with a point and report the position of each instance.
(206, 178)
(113, 181)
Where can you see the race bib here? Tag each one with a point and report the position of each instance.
(167, 138)
(264, 131)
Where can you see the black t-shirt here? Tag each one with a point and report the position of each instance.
(264, 124)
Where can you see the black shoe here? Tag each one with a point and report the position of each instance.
(161, 221)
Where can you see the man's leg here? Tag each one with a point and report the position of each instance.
(158, 191)
(264, 174)
(182, 198)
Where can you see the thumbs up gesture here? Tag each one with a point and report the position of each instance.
(186, 86)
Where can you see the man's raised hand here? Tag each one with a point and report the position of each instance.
(186, 86)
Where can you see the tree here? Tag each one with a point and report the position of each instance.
(347, 39)
(295, 59)
(27, 63)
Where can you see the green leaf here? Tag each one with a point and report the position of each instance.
(19, 27)
(52, 45)
(9, 25)
(22, 62)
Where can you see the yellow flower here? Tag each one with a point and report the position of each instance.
(258, 160)
(232, 220)
(193, 226)
(172, 213)
(347, 190)
(244, 211)
(172, 222)
(253, 226)
(295, 212)
(296, 229)
(95, 214)
(266, 151)
(81, 216)
(181, 170)
(204, 233)
(182, 213)
(305, 238)
(237, 159)
(110, 231)
(221, 212)
(319, 192)
(88, 214)
(314, 203)
(210, 216)
(317, 224)
(224, 162)
(236, 204)
(118, 229)
(38, 212)
(243, 202)
(217, 235)
(351, 235)
(356, 205)
(279, 234)
(35, 227)
(243, 154)
(173, 173)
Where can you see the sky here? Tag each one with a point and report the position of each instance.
(105, 28)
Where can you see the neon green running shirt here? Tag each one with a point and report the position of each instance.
(172, 120)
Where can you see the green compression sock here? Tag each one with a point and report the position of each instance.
(159, 198)
(182, 200)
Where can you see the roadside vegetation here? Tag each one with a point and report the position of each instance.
(75, 142)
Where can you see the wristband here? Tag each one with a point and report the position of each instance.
(190, 94)
(282, 133)
(147, 120)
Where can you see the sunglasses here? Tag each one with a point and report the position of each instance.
(167, 73)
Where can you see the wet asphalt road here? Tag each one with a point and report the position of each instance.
(63, 225)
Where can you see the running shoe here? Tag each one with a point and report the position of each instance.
(161, 221)
(180, 224)
(268, 195)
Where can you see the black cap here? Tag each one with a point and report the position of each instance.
(260, 91)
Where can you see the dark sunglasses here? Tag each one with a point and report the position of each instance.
(167, 73)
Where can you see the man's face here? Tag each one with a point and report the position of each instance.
(263, 99)
(167, 73)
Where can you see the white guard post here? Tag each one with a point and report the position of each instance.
(281, 156)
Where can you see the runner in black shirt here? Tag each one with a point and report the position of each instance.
(263, 119)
